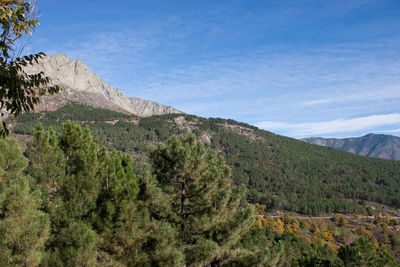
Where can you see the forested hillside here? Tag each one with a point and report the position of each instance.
(281, 172)
(70, 202)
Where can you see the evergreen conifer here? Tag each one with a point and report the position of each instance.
(193, 192)
(23, 227)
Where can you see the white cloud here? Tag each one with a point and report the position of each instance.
(387, 93)
(151, 61)
(391, 131)
(333, 126)
(144, 62)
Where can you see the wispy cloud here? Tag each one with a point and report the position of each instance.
(155, 59)
(391, 131)
(267, 84)
(201, 62)
(334, 126)
(391, 92)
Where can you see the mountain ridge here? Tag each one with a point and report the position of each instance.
(281, 172)
(370, 145)
(83, 86)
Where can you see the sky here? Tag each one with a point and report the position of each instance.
(297, 68)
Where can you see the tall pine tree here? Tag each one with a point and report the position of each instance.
(23, 227)
(66, 168)
(92, 198)
(193, 192)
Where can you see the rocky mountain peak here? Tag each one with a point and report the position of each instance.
(83, 86)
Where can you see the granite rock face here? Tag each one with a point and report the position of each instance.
(83, 86)
(371, 145)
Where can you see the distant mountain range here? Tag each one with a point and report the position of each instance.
(371, 145)
(83, 86)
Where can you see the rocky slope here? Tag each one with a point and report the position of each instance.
(83, 86)
(371, 145)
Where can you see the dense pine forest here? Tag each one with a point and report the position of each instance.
(68, 201)
(280, 172)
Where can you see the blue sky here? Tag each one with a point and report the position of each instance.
(296, 68)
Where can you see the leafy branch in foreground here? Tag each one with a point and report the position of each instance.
(19, 91)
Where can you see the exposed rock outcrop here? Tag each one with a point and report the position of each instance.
(83, 86)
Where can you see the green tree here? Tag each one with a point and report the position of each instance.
(46, 159)
(23, 227)
(362, 253)
(312, 258)
(71, 188)
(120, 218)
(92, 198)
(19, 91)
(193, 192)
(260, 249)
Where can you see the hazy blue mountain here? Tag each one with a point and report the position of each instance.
(371, 145)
